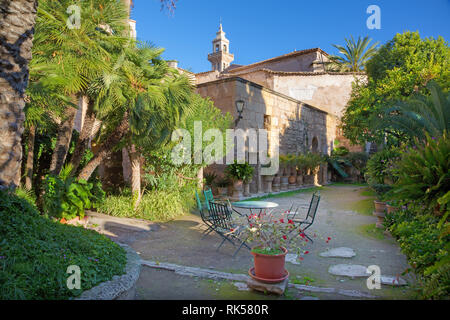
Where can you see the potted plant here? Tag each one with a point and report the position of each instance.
(300, 163)
(284, 178)
(222, 186)
(380, 203)
(271, 236)
(238, 173)
(292, 179)
(209, 179)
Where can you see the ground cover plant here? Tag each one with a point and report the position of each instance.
(36, 251)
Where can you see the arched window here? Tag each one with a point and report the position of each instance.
(217, 48)
(315, 145)
(224, 48)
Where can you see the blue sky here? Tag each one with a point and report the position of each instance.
(262, 29)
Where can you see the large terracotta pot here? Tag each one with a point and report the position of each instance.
(276, 183)
(308, 179)
(223, 191)
(268, 183)
(284, 182)
(269, 266)
(391, 209)
(237, 189)
(380, 206)
(299, 180)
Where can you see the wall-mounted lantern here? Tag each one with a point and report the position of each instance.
(239, 108)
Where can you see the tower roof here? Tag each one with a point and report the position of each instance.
(220, 35)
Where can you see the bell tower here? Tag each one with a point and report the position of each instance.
(220, 57)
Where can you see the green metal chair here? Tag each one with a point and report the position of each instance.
(223, 225)
(208, 197)
(204, 214)
(310, 216)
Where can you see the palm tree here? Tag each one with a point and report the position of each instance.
(354, 55)
(140, 101)
(76, 56)
(419, 114)
(16, 37)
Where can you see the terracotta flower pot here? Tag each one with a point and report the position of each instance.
(380, 206)
(238, 188)
(223, 191)
(391, 209)
(269, 266)
(276, 184)
(299, 180)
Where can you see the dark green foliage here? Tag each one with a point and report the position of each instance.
(426, 245)
(210, 178)
(423, 175)
(66, 197)
(400, 68)
(380, 164)
(239, 171)
(35, 253)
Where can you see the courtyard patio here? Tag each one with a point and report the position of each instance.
(170, 250)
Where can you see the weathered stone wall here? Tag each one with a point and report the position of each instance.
(297, 122)
(330, 92)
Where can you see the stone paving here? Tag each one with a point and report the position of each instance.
(340, 216)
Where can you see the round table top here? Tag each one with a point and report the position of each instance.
(254, 204)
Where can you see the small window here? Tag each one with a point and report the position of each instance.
(267, 122)
(217, 48)
(224, 48)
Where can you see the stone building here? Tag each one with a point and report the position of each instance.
(292, 93)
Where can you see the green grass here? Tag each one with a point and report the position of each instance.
(368, 193)
(371, 231)
(365, 206)
(35, 253)
(355, 184)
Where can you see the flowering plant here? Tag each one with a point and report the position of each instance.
(272, 232)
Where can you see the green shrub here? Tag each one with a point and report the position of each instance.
(35, 253)
(379, 165)
(426, 246)
(157, 205)
(423, 175)
(66, 197)
(239, 171)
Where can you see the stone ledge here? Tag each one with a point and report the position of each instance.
(120, 287)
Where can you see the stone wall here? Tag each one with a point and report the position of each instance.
(298, 123)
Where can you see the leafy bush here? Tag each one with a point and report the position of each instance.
(210, 178)
(426, 245)
(239, 171)
(158, 205)
(66, 197)
(35, 253)
(423, 175)
(379, 165)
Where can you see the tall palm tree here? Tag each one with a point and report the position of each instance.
(354, 55)
(141, 102)
(77, 56)
(419, 114)
(17, 19)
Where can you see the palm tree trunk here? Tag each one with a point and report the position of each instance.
(83, 140)
(135, 158)
(16, 40)
(30, 159)
(105, 149)
(63, 141)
